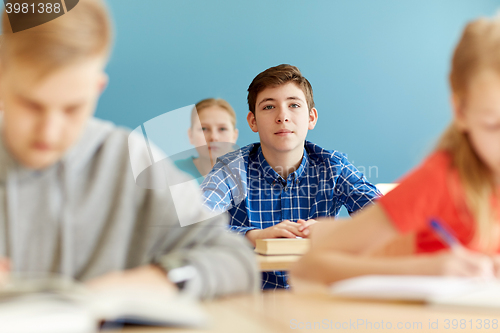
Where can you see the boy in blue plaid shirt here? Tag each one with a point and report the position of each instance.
(278, 187)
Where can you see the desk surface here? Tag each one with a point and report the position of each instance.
(285, 311)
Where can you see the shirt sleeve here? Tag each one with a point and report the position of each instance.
(216, 189)
(224, 187)
(354, 189)
(224, 262)
(239, 223)
(224, 190)
(420, 195)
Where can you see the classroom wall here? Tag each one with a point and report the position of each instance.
(378, 68)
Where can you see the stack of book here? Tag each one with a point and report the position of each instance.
(282, 246)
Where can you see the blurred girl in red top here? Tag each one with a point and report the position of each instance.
(458, 184)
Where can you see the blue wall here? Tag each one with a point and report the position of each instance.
(378, 68)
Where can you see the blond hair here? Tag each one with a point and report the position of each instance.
(209, 102)
(82, 33)
(477, 50)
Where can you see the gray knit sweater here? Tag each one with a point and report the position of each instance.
(86, 216)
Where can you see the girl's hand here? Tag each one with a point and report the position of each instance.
(462, 262)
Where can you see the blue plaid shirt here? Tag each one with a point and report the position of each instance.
(257, 197)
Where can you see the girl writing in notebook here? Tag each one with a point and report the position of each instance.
(457, 185)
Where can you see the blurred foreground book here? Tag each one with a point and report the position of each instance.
(56, 305)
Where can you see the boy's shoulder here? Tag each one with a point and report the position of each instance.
(115, 150)
(318, 155)
(96, 137)
(239, 156)
(233, 164)
(104, 144)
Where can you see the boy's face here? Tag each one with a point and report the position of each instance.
(479, 116)
(282, 118)
(43, 119)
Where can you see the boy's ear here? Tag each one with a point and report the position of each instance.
(103, 82)
(313, 118)
(457, 105)
(252, 122)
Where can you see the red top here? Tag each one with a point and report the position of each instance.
(432, 190)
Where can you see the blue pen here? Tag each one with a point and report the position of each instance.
(445, 235)
(454, 244)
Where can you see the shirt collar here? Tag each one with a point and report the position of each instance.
(272, 176)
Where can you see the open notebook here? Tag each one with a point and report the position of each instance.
(56, 305)
(456, 291)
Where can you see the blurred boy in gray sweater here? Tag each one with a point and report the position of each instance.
(68, 200)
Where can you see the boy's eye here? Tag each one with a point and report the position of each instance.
(294, 105)
(204, 129)
(72, 109)
(222, 129)
(32, 106)
(492, 127)
(268, 107)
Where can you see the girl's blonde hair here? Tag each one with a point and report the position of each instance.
(82, 33)
(477, 50)
(209, 102)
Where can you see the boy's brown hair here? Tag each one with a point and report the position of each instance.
(277, 76)
(82, 33)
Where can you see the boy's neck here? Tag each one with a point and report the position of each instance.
(284, 163)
